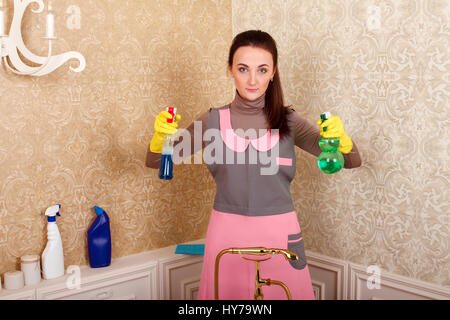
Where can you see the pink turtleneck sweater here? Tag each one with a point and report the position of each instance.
(247, 114)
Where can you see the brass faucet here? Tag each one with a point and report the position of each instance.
(258, 251)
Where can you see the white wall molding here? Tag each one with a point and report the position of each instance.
(392, 286)
(29, 294)
(330, 273)
(132, 277)
(188, 265)
(189, 288)
(338, 279)
(162, 274)
(145, 277)
(319, 289)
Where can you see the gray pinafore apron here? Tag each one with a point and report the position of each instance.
(252, 208)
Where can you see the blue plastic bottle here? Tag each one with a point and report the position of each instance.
(99, 240)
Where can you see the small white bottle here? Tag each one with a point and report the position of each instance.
(53, 256)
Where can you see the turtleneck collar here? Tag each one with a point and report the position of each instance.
(245, 106)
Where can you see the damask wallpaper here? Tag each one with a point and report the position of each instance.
(80, 139)
(383, 67)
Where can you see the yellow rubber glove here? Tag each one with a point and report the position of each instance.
(335, 129)
(162, 127)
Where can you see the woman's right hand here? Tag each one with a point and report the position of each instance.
(162, 127)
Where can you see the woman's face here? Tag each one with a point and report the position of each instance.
(252, 70)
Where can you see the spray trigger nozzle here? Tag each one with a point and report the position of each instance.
(53, 211)
(324, 117)
(173, 113)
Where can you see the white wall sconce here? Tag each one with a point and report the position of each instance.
(11, 44)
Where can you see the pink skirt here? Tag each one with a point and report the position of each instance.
(237, 275)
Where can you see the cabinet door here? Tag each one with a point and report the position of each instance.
(20, 294)
(179, 277)
(130, 286)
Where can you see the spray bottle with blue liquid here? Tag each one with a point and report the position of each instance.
(166, 165)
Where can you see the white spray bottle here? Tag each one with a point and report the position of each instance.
(53, 256)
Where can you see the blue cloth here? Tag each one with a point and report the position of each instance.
(198, 249)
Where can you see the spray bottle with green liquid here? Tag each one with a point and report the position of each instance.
(330, 160)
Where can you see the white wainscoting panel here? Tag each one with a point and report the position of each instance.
(319, 289)
(19, 294)
(179, 276)
(162, 274)
(189, 288)
(328, 276)
(392, 287)
(120, 286)
(334, 279)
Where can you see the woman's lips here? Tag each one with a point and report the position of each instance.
(252, 90)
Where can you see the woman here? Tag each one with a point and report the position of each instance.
(252, 209)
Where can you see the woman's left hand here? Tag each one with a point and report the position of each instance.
(335, 129)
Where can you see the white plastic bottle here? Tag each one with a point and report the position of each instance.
(53, 256)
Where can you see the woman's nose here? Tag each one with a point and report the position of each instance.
(252, 78)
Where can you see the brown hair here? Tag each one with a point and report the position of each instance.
(274, 109)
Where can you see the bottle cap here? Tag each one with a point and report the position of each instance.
(29, 258)
(99, 211)
(173, 112)
(325, 116)
(52, 212)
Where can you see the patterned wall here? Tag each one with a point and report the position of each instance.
(383, 67)
(80, 139)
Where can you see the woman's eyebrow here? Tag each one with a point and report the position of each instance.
(243, 64)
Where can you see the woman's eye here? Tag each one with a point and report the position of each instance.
(242, 69)
(263, 70)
